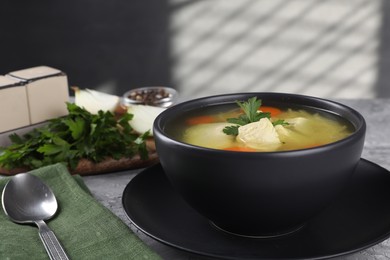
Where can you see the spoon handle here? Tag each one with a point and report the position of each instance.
(51, 243)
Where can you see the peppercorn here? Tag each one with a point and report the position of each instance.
(149, 96)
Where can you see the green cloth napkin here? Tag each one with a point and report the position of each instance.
(85, 228)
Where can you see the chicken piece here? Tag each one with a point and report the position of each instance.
(283, 132)
(260, 135)
(300, 124)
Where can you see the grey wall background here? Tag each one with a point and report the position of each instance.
(331, 49)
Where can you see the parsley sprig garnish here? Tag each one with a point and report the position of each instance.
(78, 135)
(251, 114)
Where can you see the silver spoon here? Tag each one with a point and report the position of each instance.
(26, 199)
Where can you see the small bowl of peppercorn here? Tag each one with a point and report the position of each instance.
(152, 96)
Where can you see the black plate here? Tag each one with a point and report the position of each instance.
(360, 218)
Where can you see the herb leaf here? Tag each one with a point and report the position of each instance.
(231, 130)
(250, 108)
(241, 120)
(280, 122)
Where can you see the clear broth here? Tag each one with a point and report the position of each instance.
(317, 128)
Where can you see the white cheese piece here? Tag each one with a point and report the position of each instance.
(47, 92)
(259, 135)
(13, 105)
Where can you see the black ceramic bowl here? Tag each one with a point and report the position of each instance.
(259, 193)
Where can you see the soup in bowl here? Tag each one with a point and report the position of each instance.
(259, 164)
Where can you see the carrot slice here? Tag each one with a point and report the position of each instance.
(240, 149)
(200, 120)
(273, 110)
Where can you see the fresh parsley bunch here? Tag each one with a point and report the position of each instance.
(78, 135)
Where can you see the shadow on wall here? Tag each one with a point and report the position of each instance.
(108, 45)
(322, 48)
(383, 79)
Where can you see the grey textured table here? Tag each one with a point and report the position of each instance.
(108, 188)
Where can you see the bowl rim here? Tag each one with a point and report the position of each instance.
(360, 126)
